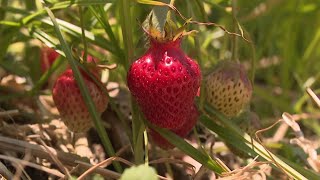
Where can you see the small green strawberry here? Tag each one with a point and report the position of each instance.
(228, 88)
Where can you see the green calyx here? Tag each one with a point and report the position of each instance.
(170, 31)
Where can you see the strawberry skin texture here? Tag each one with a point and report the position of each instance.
(182, 131)
(164, 81)
(70, 104)
(228, 88)
(47, 57)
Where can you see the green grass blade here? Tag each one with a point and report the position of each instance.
(46, 39)
(76, 32)
(202, 158)
(235, 139)
(99, 13)
(83, 34)
(137, 124)
(84, 91)
(10, 23)
(126, 27)
(150, 2)
(44, 78)
(63, 5)
(70, 29)
(231, 130)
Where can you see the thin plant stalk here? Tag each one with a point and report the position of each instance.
(137, 124)
(83, 35)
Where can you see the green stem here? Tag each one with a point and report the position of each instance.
(84, 91)
(137, 124)
(253, 59)
(100, 14)
(235, 29)
(137, 131)
(126, 27)
(83, 35)
(199, 55)
(44, 78)
(253, 62)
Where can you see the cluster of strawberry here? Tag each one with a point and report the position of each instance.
(164, 82)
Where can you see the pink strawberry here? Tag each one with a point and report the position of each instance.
(47, 57)
(164, 81)
(67, 97)
(181, 131)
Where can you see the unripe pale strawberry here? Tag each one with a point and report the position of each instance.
(228, 88)
(70, 104)
(181, 131)
(165, 81)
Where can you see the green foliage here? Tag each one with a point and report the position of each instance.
(199, 156)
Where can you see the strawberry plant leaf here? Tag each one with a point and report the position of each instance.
(157, 17)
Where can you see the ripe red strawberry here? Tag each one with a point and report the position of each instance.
(47, 57)
(228, 88)
(67, 97)
(164, 81)
(181, 131)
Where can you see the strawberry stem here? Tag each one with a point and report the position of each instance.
(83, 35)
(235, 29)
(137, 124)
